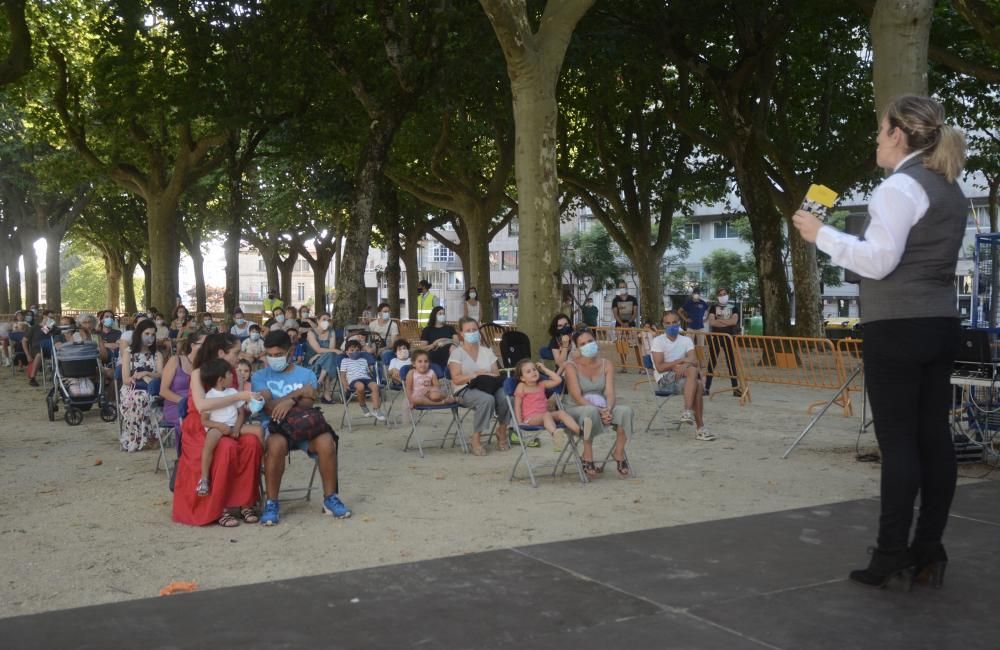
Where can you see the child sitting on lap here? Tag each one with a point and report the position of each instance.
(531, 404)
(226, 421)
(422, 387)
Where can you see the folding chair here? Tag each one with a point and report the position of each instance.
(658, 393)
(347, 397)
(527, 433)
(302, 446)
(391, 390)
(417, 414)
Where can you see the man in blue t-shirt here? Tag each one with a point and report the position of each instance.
(285, 386)
(693, 312)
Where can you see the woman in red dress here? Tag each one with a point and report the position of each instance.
(235, 474)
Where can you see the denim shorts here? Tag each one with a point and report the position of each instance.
(365, 382)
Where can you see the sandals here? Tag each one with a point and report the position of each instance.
(249, 515)
(477, 450)
(503, 445)
(228, 521)
(589, 468)
(202, 488)
(623, 468)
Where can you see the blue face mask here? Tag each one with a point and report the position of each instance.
(673, 330)
(472, 338)
(256, 405)
(109, 322)
(589, 350)
(354, 355)
(277, 364)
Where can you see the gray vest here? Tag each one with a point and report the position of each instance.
(923, 283)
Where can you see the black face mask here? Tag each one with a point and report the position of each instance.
(566, 329)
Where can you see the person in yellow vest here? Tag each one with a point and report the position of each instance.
(426, 302)
(272, 301)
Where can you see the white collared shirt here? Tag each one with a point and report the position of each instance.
(897, 204)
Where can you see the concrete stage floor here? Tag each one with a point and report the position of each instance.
(775, 580)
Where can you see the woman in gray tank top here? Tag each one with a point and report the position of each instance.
(592, 401)
(906, 258)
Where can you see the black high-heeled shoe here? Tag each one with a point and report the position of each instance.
(886, 568)
(930, 561)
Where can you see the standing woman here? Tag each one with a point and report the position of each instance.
(235, 468)
(471, 307)
(141, 364)
(906, 259)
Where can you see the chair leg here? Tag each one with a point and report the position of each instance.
(312, 479)
(656, 413)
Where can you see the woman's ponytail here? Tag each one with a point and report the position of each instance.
(948, 157)
(922, 120)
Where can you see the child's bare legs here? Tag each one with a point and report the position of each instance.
(566, 420)
(439, 396)
(212, 438)
(544, 420)
(376, 396)
(359, 393)
(393, 375)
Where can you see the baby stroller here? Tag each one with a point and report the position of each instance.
(78, 383)
(514, 346)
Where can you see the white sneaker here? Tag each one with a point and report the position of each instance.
(705, 435)
(6, 362)
(379, 415)
(365, 412)
(687, 416)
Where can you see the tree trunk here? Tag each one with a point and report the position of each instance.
(647, 267)
(409, 257)
(14, 277)
(234, 232)
(367, 183)
(164, 249)
(200, 291)
(393, 274)
(53, 269)
(113, 270)
(4, 295)
(270, 257)
(287, 267)
(147, 289)
(808, 293)
(319, 269)
(477, 270)
(900, 31)
(128, 285)
(30, 258)
(539, 277)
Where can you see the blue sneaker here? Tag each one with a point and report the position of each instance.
(332, 505)
(270, 515)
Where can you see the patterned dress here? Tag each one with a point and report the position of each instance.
(135, 407)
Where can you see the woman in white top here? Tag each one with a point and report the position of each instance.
(468, 361)
(241, 326)
(471, 308)
(384, 327)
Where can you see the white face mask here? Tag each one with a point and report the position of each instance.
(472, 295)
(324, 325)
(696, 297)
(208, 322)
(723, 300)
(402, 354)
(384, 315)
(622, 292)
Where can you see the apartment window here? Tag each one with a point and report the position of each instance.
(442, 254)
(494, 260)
(260, 265)
(725, 229)
(456, 281)
(513, 228)
(300, 290)
(263, 289)
(508, 260)
(692, 231)
(304, 265)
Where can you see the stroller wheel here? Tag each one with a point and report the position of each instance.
(74, 416)
(109, 413)
(51, 408)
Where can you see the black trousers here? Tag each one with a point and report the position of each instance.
(723, 344)
(908, 366)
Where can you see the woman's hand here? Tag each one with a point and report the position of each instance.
(606, 416)
(807, 224)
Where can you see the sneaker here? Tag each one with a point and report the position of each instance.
(33, 382)
(6, 362)
(332, 505)
(687, 416)
(516, 440)
(365, 412)
(379, 415)
(705, 435)
(270, 516)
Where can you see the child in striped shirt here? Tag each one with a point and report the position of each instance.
(354, 374)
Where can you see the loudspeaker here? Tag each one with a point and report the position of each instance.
(854, 224)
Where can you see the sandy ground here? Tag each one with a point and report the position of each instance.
(74, 532)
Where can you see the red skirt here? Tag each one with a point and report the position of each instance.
(234, 477)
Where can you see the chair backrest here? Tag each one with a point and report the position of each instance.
(647, 361)
(509, 385)
(545, 353)
(387, 357)
(514, 346)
